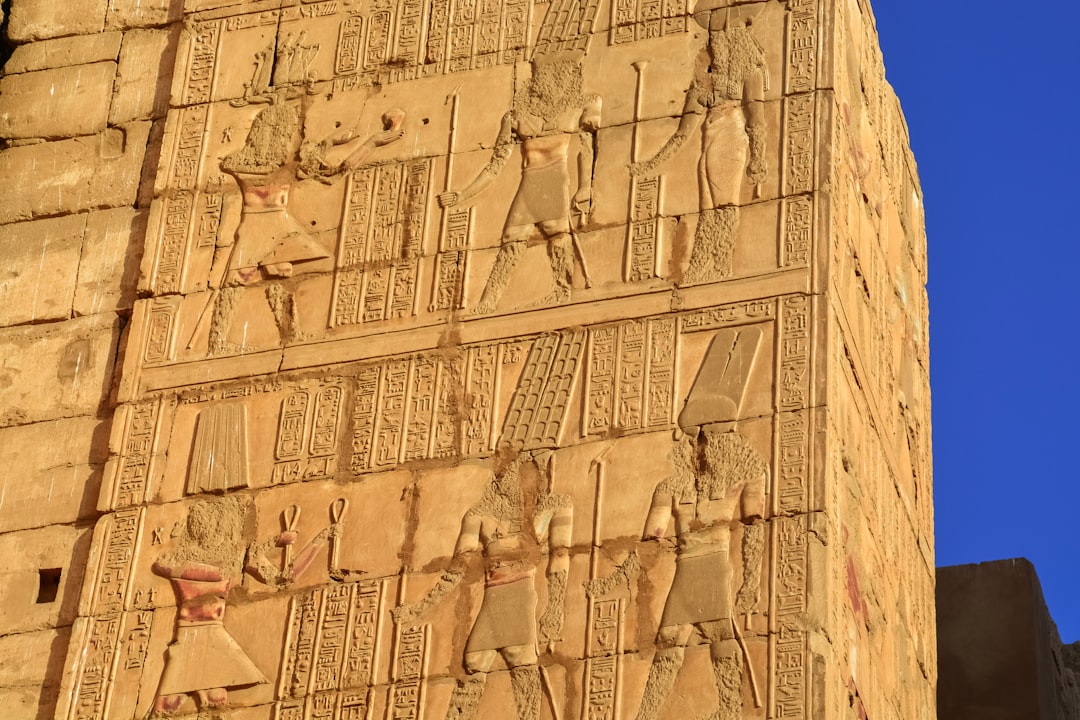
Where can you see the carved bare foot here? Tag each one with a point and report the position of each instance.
(556, 297)
(484, 308)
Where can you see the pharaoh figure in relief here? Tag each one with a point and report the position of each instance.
(204, 661)
(544, 119)
(719, 480)
(269, 245)
(518, 521)
(726, 96)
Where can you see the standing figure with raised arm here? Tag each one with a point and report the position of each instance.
(269, 245)
(727, 95)
(718, 482)
(517, 525)
(544, 119)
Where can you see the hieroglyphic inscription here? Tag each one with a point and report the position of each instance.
(538, 408)
(480, 399)
(160, 328)
(790, 673)
(136, 453)
(725, 315)
(202, 61)
(307, 435)
(802, 58)
(381, 238)
(350, 38)
(602, 664)
(407, 695)
(390, 419)
(643, 19)
(137, 627)
(172, 245)
(363, 420)
(119, 535)
(329, 657)
(799, 145)
(451, 263)
(660, 376)
(643, 232)
(400, 40)
(421, 406)
(798, 231)
(631, 376)
(599, 403)
(795, 353)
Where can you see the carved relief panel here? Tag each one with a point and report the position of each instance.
(475, 372)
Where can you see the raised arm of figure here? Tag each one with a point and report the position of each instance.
(693, 110)
(468, 544)
(503, 147)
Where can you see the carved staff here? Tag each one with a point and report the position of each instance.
(453, 99)
(337, 512)
(635, 151)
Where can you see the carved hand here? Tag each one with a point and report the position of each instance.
(387, 136)
(449, 199)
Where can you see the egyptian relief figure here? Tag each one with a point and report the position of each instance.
(718, 485)
(270, 246)
(543, 119)
(516, 523)
(727, 93)
(204, 661)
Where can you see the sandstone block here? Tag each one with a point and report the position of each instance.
(62, 52)
(56, 468)
(31, 667)
(62, 102)
(43, 571)
(57, 370)
(109, 268)
(42, 19)
(70, 175)
(142, 89)
(125, 14)
(39, 264)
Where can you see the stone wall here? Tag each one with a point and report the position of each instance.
(418, 357)
(83, 93)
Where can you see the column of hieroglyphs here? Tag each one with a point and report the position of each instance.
(83, 97)
(490, 359)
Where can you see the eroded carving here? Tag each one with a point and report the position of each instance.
(518, 523)
(719, 479)
(726, 97)
(204, 661)
(544, 119)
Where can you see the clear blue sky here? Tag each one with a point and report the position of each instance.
(990, 94)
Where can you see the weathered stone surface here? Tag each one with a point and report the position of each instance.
(43, 19)
(42, 576)
(124, 14)
(71, 175)
(146, 61)
(56, 370)
(31, 668)
(61, 463)
(567, 361)
(63, 102)
(109, 268)
(63, 52)
(39, 265)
